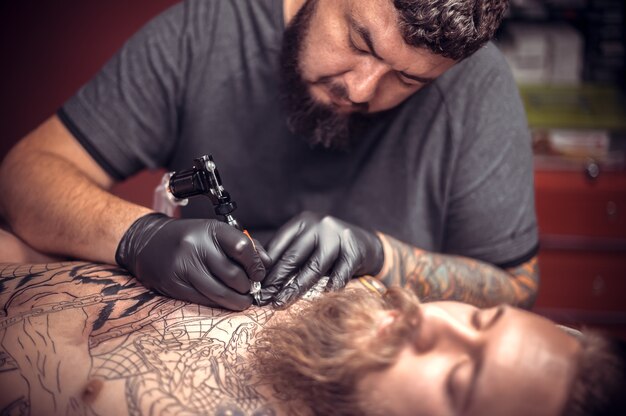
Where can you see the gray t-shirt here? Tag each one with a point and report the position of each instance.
(449, 170)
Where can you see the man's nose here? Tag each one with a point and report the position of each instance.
(363, 80)
(440, 329)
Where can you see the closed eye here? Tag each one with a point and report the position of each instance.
(459, 384)
(483, 319)
(355, 48)
(407, 81)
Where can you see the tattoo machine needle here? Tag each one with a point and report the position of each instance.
(204, 179)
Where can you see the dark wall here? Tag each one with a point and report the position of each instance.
(48, 49)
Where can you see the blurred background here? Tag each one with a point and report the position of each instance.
(568, 57)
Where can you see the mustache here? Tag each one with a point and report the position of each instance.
(317, 123)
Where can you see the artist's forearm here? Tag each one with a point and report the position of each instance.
(57, 209)
(435, 276)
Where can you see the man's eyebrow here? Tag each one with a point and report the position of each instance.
(365, 34)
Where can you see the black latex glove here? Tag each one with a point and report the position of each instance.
(310, 246)
(201, 261)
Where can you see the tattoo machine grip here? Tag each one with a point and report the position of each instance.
(204, 179)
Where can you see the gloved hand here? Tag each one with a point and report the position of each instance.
(310, 246)
(201, 261)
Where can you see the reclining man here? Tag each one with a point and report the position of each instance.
(399, 126)
(80, 338)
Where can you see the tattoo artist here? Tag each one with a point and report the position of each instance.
(380, 137)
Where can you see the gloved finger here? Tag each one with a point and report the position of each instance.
(288, 296)
(219, 293)
(266, 295)
(265, 258)
(343, 271)
(284, 238)
(225, 271)
(318, 264)
(239, 248)
(293, 292)
(290, 262)
(185, 292)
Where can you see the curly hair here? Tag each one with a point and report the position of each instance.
(316, 356)
(451, 28)
(599, 387)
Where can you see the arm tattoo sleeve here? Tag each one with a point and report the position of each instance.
(80, 338)
(444, 277)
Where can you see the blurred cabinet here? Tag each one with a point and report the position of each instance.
(579, 143)
(582, 259)
(580, 209)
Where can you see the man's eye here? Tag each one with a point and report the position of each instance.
(459, 384)
(355, 48)
(407, 82)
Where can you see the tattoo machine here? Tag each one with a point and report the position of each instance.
(202, 179)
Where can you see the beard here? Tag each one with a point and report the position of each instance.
(317, 123)
(315, 356)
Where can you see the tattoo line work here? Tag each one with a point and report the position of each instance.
(71, 330)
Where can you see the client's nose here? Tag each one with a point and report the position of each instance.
(442, 329)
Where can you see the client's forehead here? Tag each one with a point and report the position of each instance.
(527, 367)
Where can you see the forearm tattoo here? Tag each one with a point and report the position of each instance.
(444, 277)
(80, 338)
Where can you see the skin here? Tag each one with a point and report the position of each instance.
(14, 250)
(67, 209)
(468, 361)
(435, 276)
(82, 338)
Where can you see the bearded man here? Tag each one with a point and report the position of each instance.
(81, 338)
(381, 137)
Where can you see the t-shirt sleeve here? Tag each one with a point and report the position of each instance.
(491, 211)
(127, 116)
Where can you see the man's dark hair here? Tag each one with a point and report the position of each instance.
(451, 28)
(600, 384)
